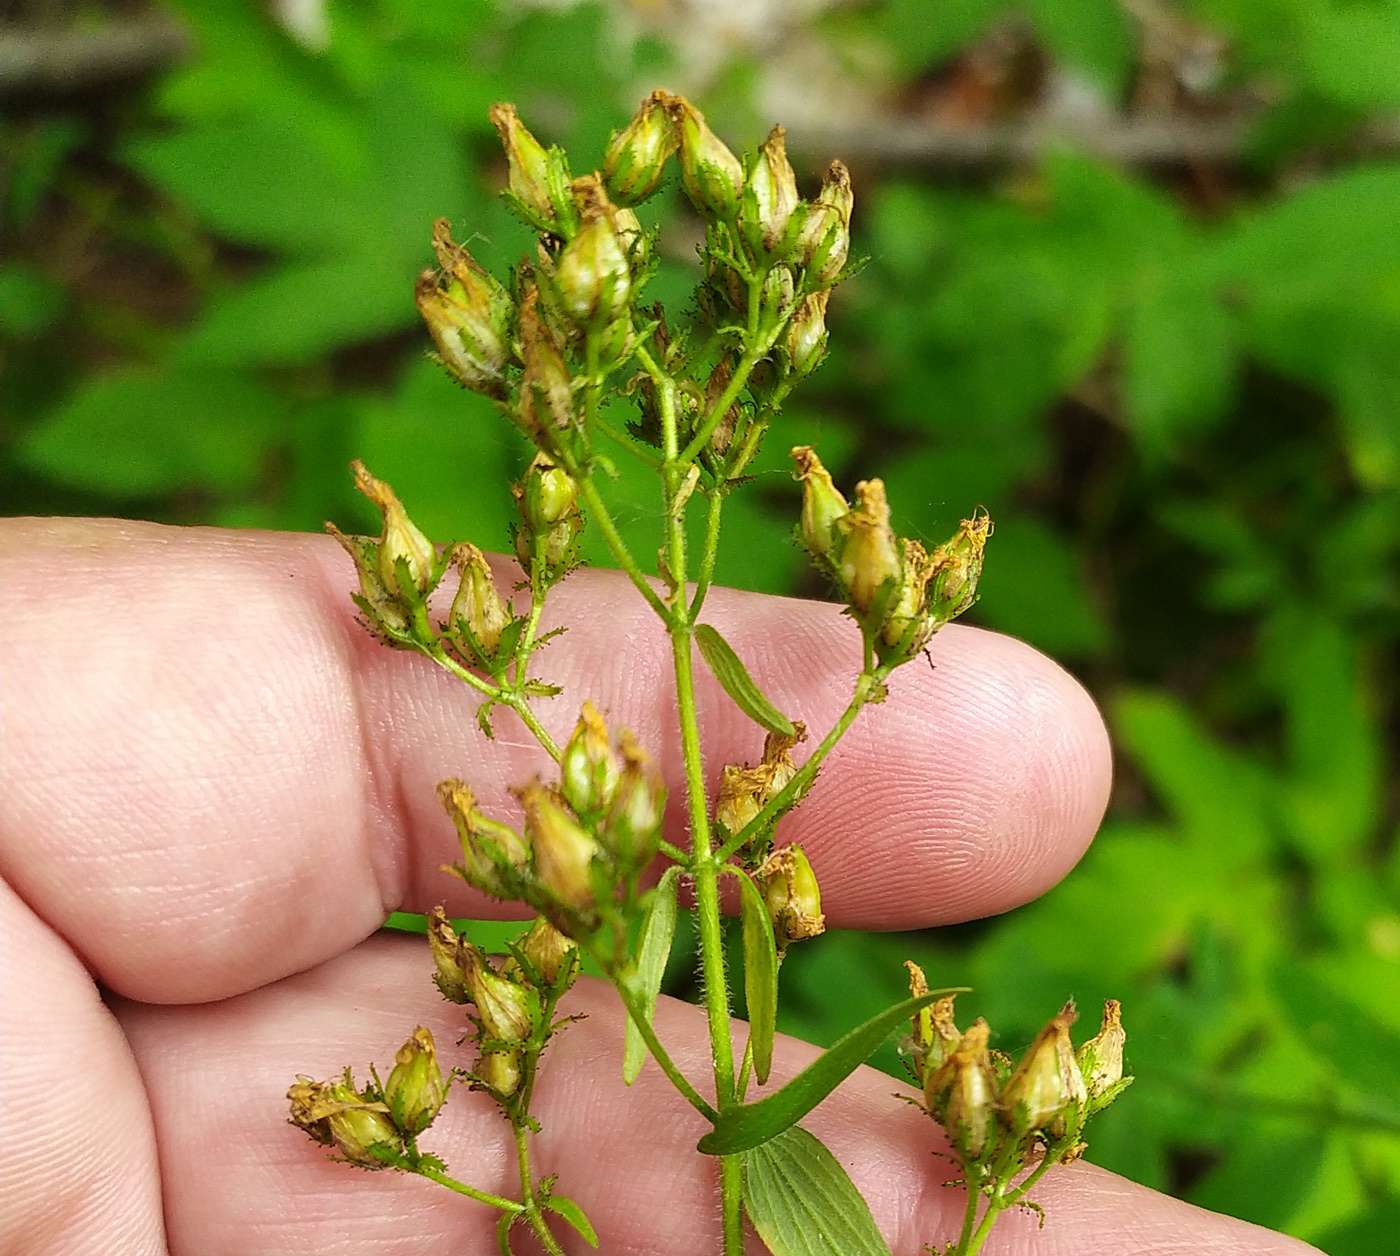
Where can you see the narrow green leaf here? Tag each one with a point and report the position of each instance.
(803, 1203)
(574, 1215)
(760, 975)
(503, 1226)
(731, 673)
(652, 953)
(748, 1124)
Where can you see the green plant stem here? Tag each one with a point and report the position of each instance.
(974, 1193)
(703, 864)
(532, 1210)
(482, 1197)
(752, 356)
(709, 553)
(659, 1053)
(616, 545)
(517, 702)
(979, 1236)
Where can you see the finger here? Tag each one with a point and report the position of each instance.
(213, 777)
(239, 1179)
(77, 1160)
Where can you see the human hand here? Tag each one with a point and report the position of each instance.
(216, 787)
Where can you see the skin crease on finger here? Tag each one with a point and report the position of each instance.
(222, 779)
(237, 1179)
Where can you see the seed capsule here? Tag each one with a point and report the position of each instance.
(867, 551)
(589, 767)
(712, 176)
(771, 195)
(477, 603)
(527, 159)
(414, 1089)
(824, 242)
(592, 273)
(1047, 1082)
(822, 502)
(794, 900)
(637, 156)
(564, 851)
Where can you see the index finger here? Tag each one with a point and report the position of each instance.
(214, 777)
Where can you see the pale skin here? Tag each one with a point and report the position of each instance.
(216, 786)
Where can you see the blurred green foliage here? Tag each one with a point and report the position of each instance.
(1177, 392)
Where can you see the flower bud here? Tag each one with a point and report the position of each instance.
(468, 313)
(956, 567)
(450, 977)
(336, 1115)
(500, 1071)
(822, 502)
(592, 272)
(477, 603)
(549, 494)
(776, 296)
(712, 176)
(549, 951)
(1047, 1082)
(936, 1034)
(589, 768)
(790, 891)
(546, 387)
(906, 618)
(771, 195)
(548, 502)
(527, 159)
(1101, 1058)
(400, 539)
(492, 853)
(633, 829)
(637, 155)
(563, 850)
(961, 1093)
(807, 334)
(867, 551)
(824, 242)
(414, 1089)
(504, 1008)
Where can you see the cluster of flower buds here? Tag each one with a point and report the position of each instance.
(987, 1103)
(512, 999)
(397, 571)
(790, 892)
(547, 536)
(897, 591)
(587, 838)
(377, 1126)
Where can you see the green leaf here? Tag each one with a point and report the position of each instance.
(803, 1203)
(731, 673)
(652, 953)
(300, 310)
(574, 1215)
(136, 433)
(760, 974)
(748, 1124)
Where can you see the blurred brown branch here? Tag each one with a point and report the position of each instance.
(51, 62)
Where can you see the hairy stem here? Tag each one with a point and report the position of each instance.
(483, 1197)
